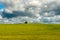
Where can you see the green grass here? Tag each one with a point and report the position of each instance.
(29, 31)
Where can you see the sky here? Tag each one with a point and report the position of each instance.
(1, 6)
(40, 11)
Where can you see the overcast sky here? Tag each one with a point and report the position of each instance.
(39, 10)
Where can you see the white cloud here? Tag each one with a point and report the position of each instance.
(8, 11)
(36, 8)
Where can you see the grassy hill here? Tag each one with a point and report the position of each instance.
(29, 31)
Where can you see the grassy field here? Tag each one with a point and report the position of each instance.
(30, 32)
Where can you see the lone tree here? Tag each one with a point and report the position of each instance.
(26, 22)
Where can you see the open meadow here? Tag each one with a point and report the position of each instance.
(29, 31)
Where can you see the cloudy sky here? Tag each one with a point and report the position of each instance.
(18, 11)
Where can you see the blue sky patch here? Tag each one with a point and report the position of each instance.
(1, 6)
